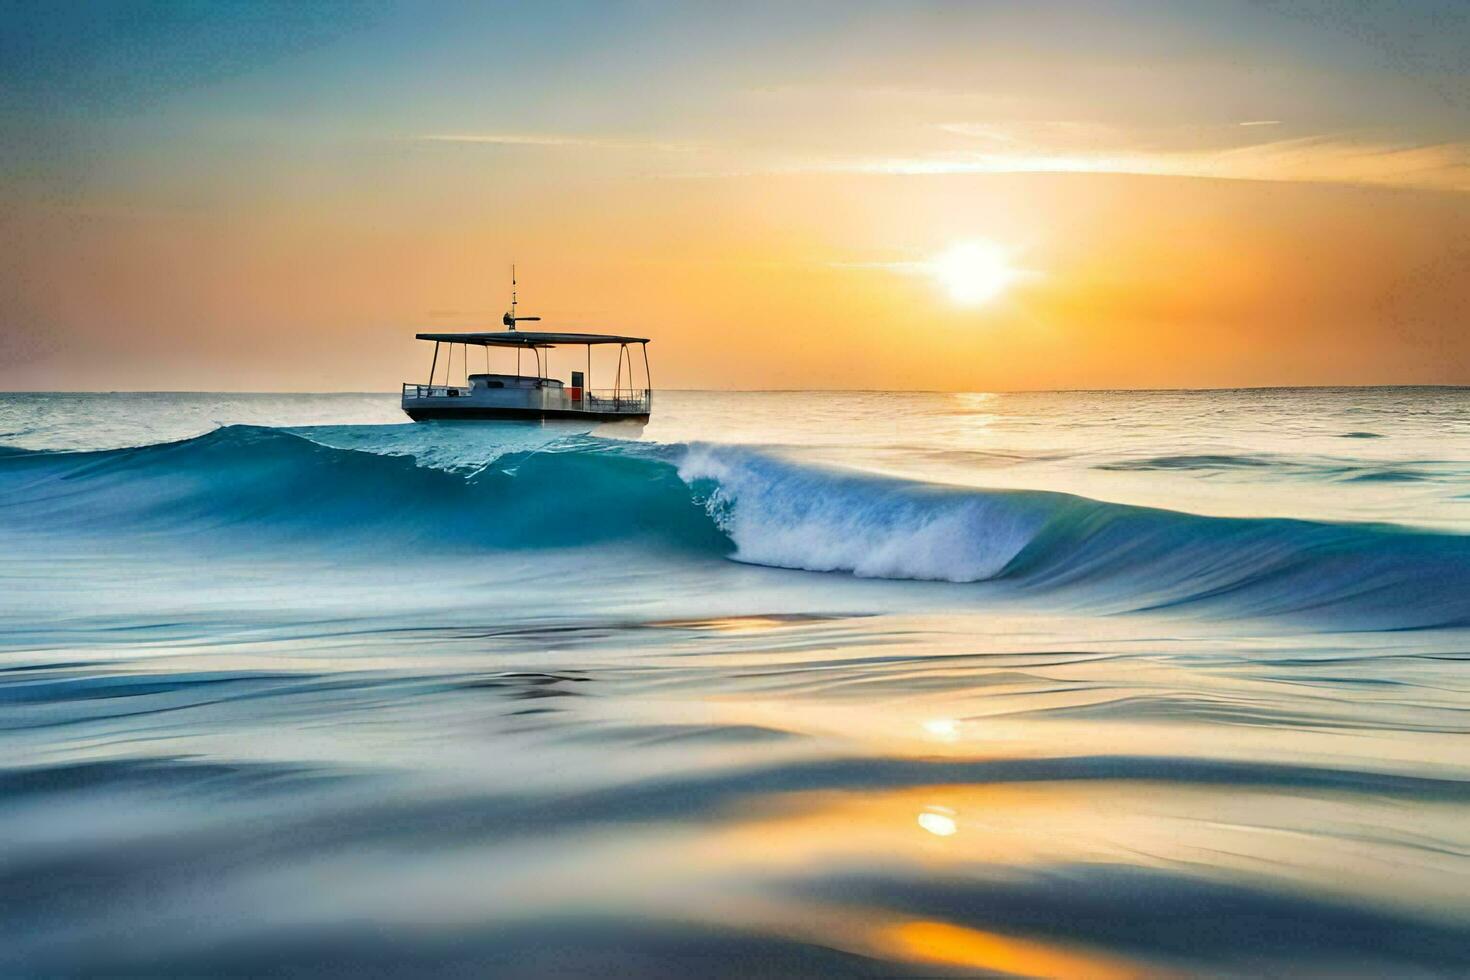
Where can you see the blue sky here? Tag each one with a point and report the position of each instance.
(261, 122)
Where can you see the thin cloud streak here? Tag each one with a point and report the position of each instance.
(558, 140)
(1083, 148)
(1442, 166)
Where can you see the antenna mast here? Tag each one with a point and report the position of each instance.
(510, 319)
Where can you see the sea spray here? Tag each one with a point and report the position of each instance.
(795, 516)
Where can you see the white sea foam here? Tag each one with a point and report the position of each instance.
(798, 516)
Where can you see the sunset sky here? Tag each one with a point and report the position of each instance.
(970, 196)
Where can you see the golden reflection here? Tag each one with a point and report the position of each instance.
(742, 872)
(939, 821)
(974, 401)
(940, 942)
(1004, 826)
(741, 624)
(1005, 830)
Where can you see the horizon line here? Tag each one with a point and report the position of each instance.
(774, 391)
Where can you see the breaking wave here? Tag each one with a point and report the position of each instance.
(385, 489)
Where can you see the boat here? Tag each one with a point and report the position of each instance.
(528, 396)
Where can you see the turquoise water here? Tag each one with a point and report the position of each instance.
(1044, 684)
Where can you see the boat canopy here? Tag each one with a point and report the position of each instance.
(528, 338)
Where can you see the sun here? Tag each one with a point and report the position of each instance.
(974, 272)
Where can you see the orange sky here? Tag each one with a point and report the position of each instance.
(1189, 198)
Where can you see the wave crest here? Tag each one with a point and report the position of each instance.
(392, 492)
(797, 516)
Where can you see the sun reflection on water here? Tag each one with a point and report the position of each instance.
(941, 942)
(939, 821)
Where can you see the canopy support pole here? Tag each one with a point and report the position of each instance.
(434, 364)
(647, 375)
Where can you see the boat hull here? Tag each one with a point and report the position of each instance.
(430, 413)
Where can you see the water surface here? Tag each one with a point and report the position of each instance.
(1046, 684)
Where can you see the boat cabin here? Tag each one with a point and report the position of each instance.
(485, 395)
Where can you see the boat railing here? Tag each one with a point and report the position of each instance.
(620, 399)
(573, 399)
(411, 390)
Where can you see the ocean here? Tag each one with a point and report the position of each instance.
(1054, 684)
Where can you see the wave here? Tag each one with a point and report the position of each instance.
(1313, 468)
(247, 488)
(795, 516)
(1120, 556)
(396, 491)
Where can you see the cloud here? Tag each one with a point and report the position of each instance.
(557, 139)
(1322, 159)
(1220, 151)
